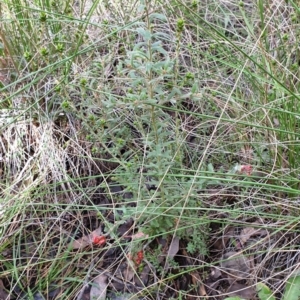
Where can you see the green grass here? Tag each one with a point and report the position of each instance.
(133, 118)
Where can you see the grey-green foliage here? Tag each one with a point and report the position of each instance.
(144, 138)
(148, 67)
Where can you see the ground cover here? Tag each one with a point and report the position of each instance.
(149, 150)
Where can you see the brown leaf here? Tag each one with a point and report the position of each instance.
(3, 294)
(173, 248)
(215, 273)
(139, 235)
(99, 287)
(242, 291)
(220, 242)
(125, 228)
(129, 271)
(196, 279)
(248, 232)
(143, 277)
(86, 240)
(235, 265)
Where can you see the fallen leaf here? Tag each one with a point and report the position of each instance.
(139, 235)
(173, 248)
(196, 280)
(125, 228)
(128, 273)
(215, 273)
(126, 270)
(248, 232)
(235, 265)
(3, 294)
(220, 242)
(142, 279)
(86, 240)
(99, 287)
(242, 290)
(118, 296)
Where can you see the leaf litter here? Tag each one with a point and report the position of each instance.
(99, 288)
